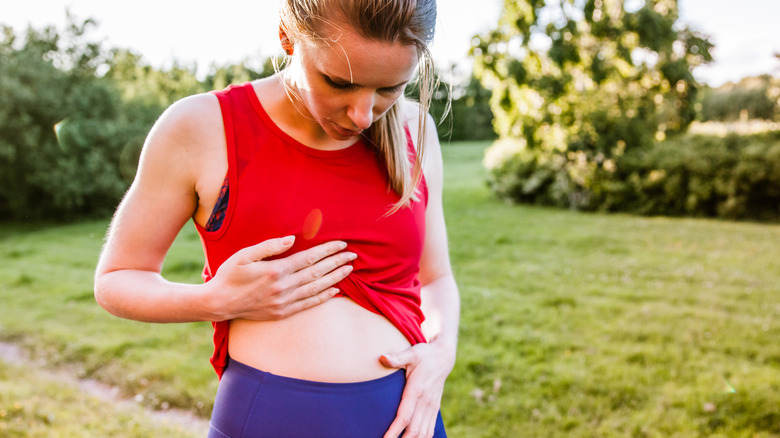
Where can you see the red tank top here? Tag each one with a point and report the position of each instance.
(280, 187)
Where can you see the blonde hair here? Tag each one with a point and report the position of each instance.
(394, 21)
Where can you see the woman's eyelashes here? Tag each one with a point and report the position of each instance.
(343, 86)
(338, 85)
(393, 90)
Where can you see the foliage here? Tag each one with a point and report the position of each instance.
(732, 177)
(752, 98)
(75, 116)
(573, 325)
(147, 86)
(469, 116)
(221, 76)
(58, 129)
(577, 84)
(736, 177)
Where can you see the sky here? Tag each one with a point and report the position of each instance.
(203, 32)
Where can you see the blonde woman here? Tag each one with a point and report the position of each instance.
(317, 195)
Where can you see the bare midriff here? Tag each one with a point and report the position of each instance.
(337, 341)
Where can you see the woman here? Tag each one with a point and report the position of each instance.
(322, 226)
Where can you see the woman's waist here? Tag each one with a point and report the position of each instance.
(337, 341)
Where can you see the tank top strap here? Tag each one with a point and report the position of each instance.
(242, 127)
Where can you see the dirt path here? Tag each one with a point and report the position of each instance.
(13, 355)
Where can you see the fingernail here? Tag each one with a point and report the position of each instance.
(352, 256)
(288, 240)
(342, 245)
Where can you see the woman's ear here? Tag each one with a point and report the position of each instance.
(287, 44)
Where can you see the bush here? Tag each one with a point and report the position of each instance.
(733, 177)
(70, 137)
(59, 139)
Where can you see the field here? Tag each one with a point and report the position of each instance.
(573, 325)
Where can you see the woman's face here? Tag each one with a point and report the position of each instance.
(347, 82)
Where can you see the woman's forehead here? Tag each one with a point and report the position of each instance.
(349, 56)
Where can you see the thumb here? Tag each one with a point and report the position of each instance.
(398, 360)
(268, 248)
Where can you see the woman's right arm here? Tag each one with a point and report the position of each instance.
(181, 155)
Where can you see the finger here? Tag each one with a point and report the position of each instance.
(421, 424)
(268, 248)
(388, 361)
(306, 303)
(313, 288)
(402, 417)
(321, 269)
(309, 257)
(432, 424)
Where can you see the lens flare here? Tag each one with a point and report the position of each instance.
(57, 129)
(312, 224)
(727, 388)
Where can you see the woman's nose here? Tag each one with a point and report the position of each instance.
(361, 111)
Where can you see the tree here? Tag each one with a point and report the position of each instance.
(221, 76)
(460, 107)
(754, 97)
(470, 116)
(577, 83)
(74, 118)
(58, 139)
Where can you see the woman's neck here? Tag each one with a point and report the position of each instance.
(291, 115)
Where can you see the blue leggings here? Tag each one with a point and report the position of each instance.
(254, 403)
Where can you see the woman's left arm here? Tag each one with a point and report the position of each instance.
(428, 364)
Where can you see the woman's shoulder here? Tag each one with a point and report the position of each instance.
(196, 112)
(410, 111)
(432, 167)
(187, 140)
(190, 124)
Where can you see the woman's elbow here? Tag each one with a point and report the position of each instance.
(104, 292)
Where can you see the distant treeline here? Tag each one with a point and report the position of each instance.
(75, 114)
(755, 97)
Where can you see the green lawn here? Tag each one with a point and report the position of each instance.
(34, 404)
(573, 324)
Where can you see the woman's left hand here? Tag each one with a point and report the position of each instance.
(427, 367)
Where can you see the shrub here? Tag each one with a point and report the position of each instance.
(733, 177)
(58, 138)
(70, 137)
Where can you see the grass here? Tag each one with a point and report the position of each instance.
(573, 324)
(34, 404)
(46, 281)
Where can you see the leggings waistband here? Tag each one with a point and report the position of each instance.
(261, 376)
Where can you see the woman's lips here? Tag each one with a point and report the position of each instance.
(346, 132)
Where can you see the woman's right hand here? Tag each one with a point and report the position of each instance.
(247, 286)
